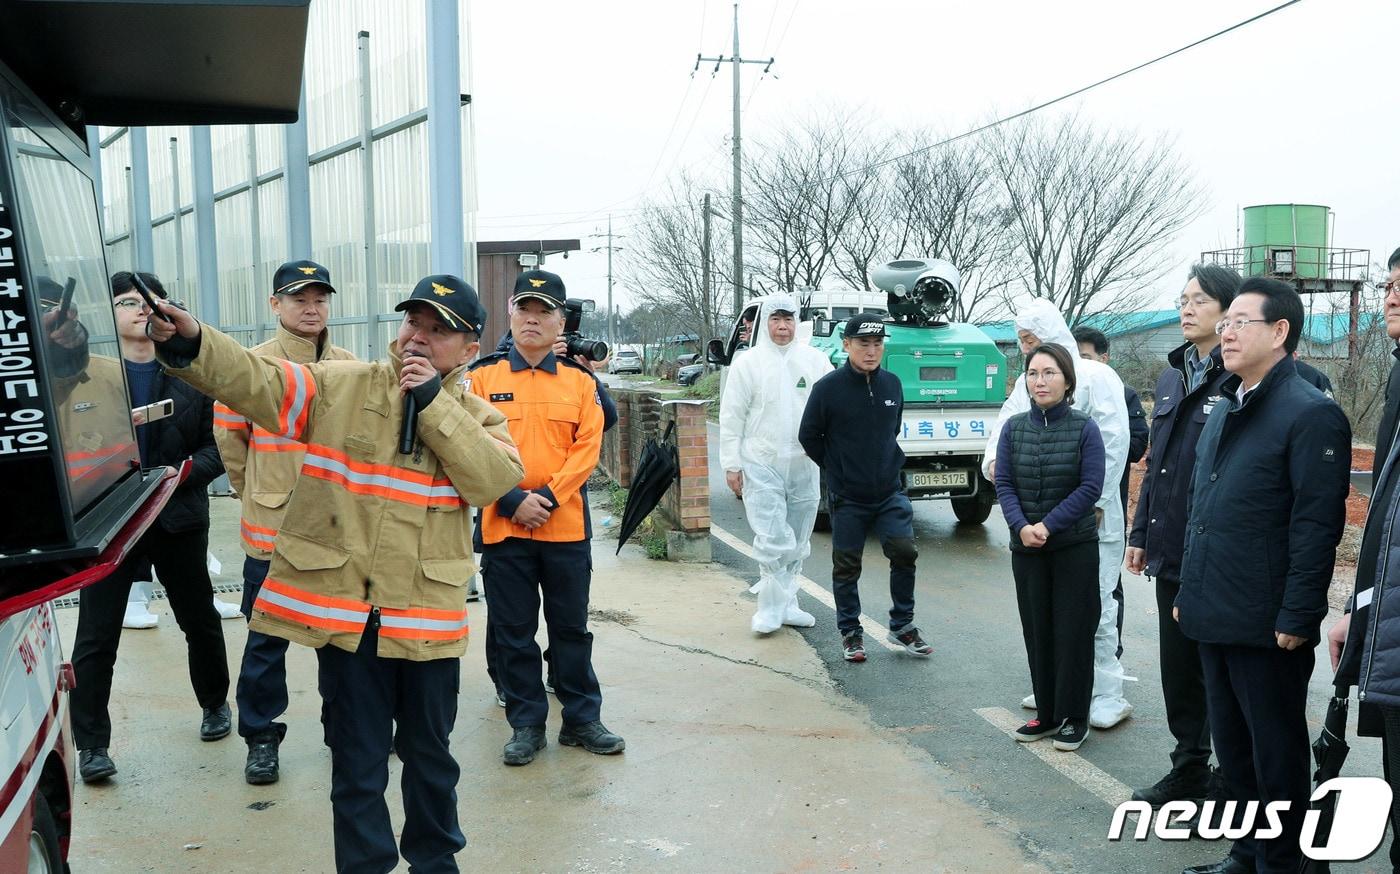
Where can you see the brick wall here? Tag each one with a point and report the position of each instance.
(644, 414)
(687, 508)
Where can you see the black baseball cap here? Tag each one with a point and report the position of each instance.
(455, 301)
(864, 325)
(296, 275)
(541, 285)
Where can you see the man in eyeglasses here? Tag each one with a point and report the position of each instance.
(176, 545)
(1267, 508)
(1186, 393)
(1365, 643)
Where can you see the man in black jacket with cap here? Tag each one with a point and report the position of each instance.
(850, 428)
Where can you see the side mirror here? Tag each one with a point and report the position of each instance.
(714, 352)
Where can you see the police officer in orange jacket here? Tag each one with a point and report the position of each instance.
(535, 538)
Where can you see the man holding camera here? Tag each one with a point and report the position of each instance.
(371, 564)
(263, 467)
(535, 538)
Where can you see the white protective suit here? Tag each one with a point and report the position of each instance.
(764, 397)
(1099, 393)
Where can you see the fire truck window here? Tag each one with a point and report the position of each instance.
(56, 208)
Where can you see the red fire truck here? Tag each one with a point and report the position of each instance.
(73, 496)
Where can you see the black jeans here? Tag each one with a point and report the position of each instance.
(179, 560)
(520, 575)
(1257, 698)
(1183, 688)
(367, 704)
(1057, 594)
(892, 520)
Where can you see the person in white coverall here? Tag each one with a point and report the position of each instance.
(1099, 393)
(764, 397)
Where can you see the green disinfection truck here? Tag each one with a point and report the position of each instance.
(953, 374)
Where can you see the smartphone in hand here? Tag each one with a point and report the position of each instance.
(150, 299)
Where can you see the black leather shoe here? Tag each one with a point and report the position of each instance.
(1180, 784)
(592, 736)
(217, 723)
(95, 765)
(262, 767)
(523, 745)
(1227, 865)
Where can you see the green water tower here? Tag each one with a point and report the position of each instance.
(1293, 242)
(1287, 240)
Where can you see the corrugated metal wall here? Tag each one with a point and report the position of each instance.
(250, 244)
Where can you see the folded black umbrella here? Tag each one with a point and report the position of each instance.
(1329, 752)
(659, 467)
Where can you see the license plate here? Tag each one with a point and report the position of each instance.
(939, 479)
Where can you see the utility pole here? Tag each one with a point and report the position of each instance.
(737, 208)
(610, 249)
(705, 263)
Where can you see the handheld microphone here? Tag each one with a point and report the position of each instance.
(410, 424)
(410, 421)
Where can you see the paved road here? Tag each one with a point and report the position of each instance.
(947, 706)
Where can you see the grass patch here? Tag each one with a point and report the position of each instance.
(706, 388)
(617, 499)
(654, 542)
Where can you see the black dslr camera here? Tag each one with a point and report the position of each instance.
(575, 343)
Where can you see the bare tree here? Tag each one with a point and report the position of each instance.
(1359, 380)
(802, 190)
(1092, 211)
(946, 204)
(663, 266)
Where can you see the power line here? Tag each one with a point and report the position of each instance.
(588, 214)
(736, 61)
(782, 37)
(1063, 97)
(641, 192)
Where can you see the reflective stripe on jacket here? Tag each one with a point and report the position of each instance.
(367, 529)
(262, 466)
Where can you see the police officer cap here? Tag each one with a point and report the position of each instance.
(864, 325)
(541, 285)
(454, 300)
(296, 275)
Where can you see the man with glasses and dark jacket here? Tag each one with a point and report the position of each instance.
(177, 545)
(1266, 512)
(1187, 392)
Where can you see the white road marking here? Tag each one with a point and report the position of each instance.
(874, 631)
(1072, 765)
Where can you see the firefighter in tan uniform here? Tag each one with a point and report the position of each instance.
(374, 555)
(263, 467)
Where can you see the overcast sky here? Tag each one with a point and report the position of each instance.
(582, 108)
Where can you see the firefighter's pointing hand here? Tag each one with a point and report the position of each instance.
(184, 324)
